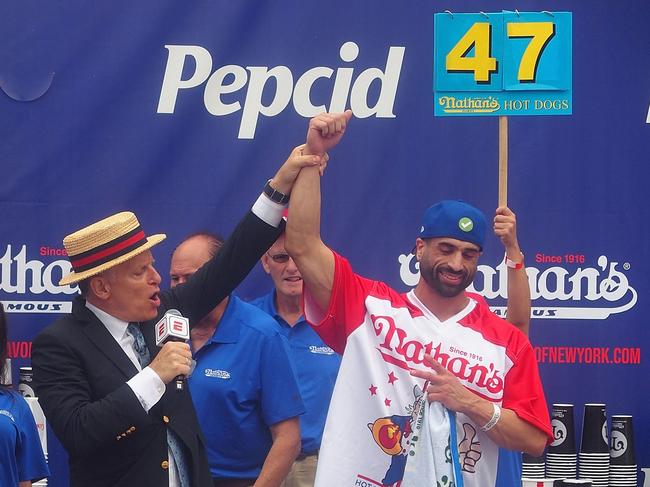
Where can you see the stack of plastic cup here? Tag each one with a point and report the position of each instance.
(561, 457)
(532, 467)
(594, 447)
(622, 462)
(574, 482)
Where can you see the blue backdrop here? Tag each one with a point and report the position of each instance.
(180, 112)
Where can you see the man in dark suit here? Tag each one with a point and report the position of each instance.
(102, 381)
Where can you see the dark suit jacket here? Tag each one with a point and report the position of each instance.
(80, 375)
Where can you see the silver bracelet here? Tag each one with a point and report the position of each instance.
(496, 415)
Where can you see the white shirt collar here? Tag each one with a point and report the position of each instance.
(115, 326)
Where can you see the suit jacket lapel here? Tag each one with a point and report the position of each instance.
(103, 340)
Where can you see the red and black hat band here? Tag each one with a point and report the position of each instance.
(108, 251)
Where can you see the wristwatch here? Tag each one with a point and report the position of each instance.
(274, 194)
(514, 265)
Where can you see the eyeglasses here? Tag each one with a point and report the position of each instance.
(279, 258)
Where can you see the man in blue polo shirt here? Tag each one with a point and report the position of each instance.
(316, 364)
(243, 387)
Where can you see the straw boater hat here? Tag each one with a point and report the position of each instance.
(105, 244)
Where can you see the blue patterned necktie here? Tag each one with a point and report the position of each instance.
(139, 345)
(142, 352)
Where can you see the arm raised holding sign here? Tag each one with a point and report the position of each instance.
(505, 227)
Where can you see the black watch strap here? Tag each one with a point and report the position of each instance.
(275, 195)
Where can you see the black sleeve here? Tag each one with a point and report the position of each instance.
(222, 274)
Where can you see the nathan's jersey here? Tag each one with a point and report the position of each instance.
(383, 334)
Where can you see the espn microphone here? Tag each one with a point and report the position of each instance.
(173, 327)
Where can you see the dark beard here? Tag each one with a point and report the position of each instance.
(432, 278)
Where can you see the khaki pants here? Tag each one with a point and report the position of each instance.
(302, 473)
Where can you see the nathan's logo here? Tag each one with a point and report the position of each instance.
(259, 82)
(398, 349)
(324, 350)
(605, 285)
(20, 276)
(216, 373)
(468, 104)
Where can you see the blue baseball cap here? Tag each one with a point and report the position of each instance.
(454, 219)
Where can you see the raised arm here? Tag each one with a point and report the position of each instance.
(303, 241)
(254, 234)
(505, 227)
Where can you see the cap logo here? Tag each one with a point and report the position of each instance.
(454, 219)
(465, 224)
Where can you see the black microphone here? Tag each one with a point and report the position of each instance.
(173, 327)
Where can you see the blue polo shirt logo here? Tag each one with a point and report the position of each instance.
(321, 350)
(218, 374)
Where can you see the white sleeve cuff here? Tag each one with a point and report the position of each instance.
(147, 387)
(267, 210)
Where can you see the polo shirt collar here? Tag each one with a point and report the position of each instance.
(270, 305)
(228, 330)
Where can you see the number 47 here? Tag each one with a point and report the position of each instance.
(483, 65)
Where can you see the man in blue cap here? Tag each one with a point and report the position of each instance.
(428, 378)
